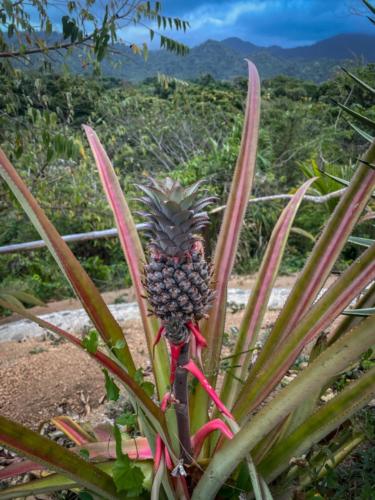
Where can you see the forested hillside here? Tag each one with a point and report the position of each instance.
(187, 131)
(224, 59)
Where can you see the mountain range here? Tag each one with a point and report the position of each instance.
(224, 60)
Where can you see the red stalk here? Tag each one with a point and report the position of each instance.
(175, 354)
(205, 430)
(201, 341)
(194, 370)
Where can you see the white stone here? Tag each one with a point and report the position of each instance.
(77, 321)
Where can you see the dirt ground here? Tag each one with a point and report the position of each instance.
(40, 379)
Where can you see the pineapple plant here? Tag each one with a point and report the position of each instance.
(177, 280)
(249, 445)
(177, 275)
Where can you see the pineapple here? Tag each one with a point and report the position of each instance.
(177, 275)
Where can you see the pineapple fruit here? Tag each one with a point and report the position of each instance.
(177, 275)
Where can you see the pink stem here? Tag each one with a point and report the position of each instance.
(201, 341)
(175, 354)
(202, 433)
(165, 401)
(158, 337)
(159, 445)
(194, 370)
(168, 460)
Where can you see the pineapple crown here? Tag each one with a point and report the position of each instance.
(175, 215)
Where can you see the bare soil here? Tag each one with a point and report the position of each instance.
(40, 379)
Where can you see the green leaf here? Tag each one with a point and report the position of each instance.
(321, 423)
(91, 341)
(113, 392)
(85, 495)
(359, 81)
(363, 242)
(120, 344)
(133, 252)
(85, 454)
(127, 476)
(336, 358)
(369, 6)
(320, 315)
(363, 119)
(359, 312)
(362, 133)
(149, 388)
(48, 27)
(257, 303)
(128, 418)
(55, 457)
(225, 253)
(81, 283)
(320, 262)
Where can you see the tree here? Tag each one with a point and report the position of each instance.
(43, 27)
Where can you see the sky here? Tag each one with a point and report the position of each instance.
(288, 23)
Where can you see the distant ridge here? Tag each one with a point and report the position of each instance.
(344, 46)
(224, 59)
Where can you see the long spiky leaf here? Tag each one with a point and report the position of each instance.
(55, 457)
(228, 240)
(81, 283)
(133, 251)
(257, 304)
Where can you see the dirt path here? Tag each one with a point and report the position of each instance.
(127, 295)
(42, 378)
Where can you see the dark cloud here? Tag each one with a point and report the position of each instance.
(266, 22)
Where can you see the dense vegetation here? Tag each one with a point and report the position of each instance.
(187, 131)
(224, 59)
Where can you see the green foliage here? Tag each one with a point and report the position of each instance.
(87, 27)
(185, 131)
(127, 476)
(263, 433)
(352, 480)
(112, 390)
(91, 341)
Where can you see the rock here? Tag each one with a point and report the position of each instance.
(77, 321)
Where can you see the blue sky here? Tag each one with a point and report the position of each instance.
(266, 22)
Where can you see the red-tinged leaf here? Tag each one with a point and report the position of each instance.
(194, 370)
(104, 432)
(55, 457)
(347, 322)
(175, 354)
(136, 449)
(333, 360)
(225, 253)
(323, 257)
(200, 340)
(320, 316)
(158, 452)
(81, 283)
(18, 468)
(132, 249)
(214, 425)
(168, 460)
(258, 301)
(157, 339)
(59, 482)
(323, 421)
(165, 401)
(159, 467)
(72, 430)
(152, 411)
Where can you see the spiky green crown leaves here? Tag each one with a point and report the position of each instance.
(175, 215)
